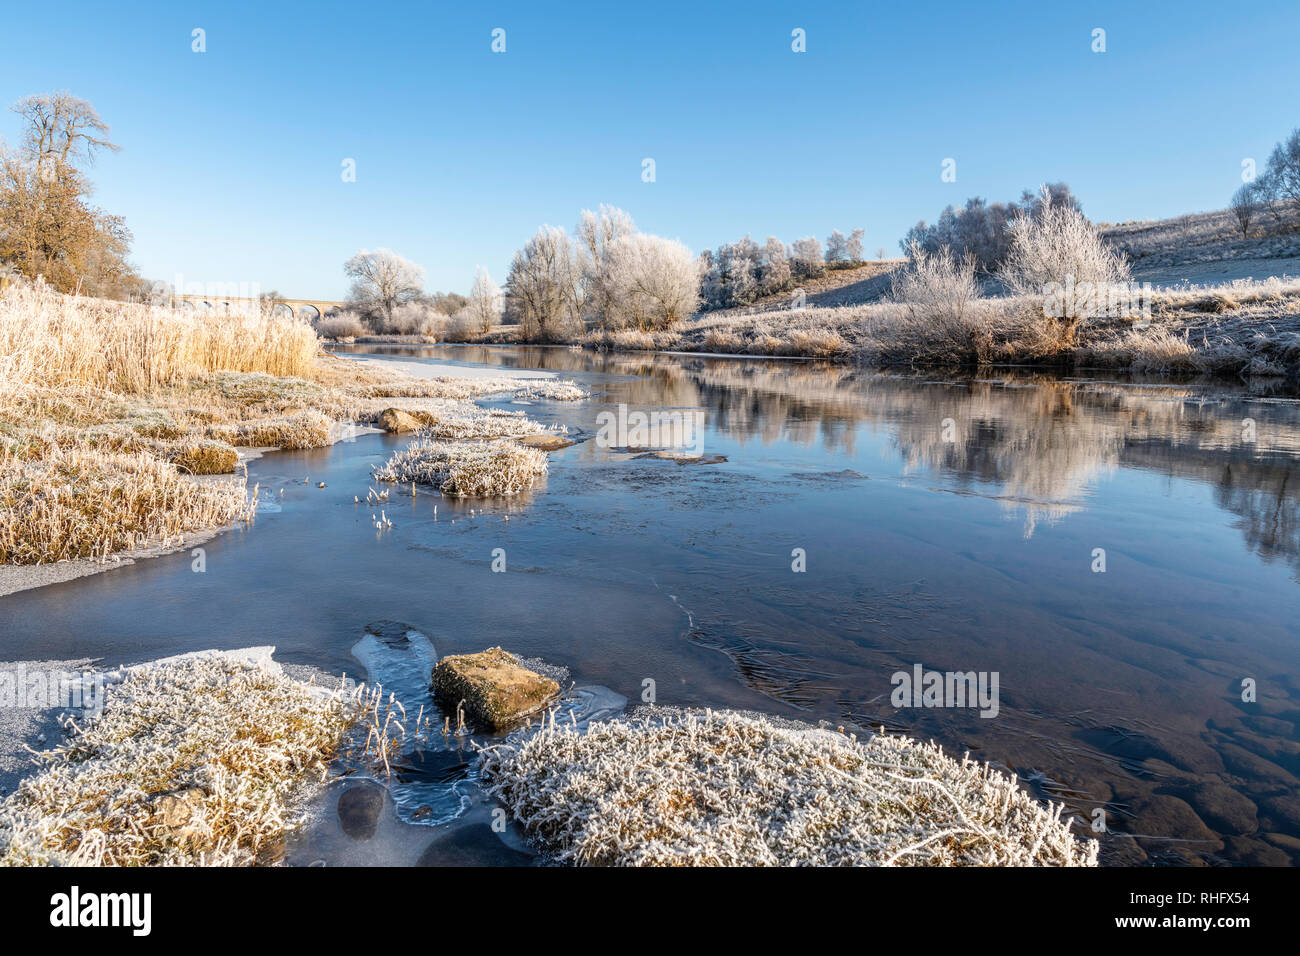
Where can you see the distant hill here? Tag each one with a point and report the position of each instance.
(1204, 248)
(868, 282)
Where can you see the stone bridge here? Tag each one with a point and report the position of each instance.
(310, 309)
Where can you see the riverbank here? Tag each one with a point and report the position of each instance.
(124, 429)
(1242, 328)
(203, 759)
(221, 758)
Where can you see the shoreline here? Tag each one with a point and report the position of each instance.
(16, 578)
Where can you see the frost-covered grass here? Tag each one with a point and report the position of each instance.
(728, 789)
(200, 760)
(107, 410)
(467, 469)
(80, 502)
(55, 340)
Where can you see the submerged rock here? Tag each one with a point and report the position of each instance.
(473, 844)
(396, 420)
(547, 441)
(359, 808)
(496, 689)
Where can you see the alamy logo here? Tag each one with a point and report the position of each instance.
(657, 429)
(922, 688)
(21, 687)
(1111, 300)
(74, 908)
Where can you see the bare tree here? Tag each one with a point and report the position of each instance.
(485, 302)
(60, 129)
(1245, 206)
(382, 280)
(1280, 184)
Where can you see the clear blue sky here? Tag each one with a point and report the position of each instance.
(230, 168)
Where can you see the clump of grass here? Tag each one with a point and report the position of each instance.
(308, 429)
(551, 390)
(201, 760)
(726, 789)
(80, 502)
(202, 457)
(467, 469)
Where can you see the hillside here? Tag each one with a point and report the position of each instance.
(1204, 248)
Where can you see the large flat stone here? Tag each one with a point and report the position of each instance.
(497, 691)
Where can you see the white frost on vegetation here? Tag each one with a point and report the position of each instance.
(728, 789)
(203, 759)
(467, 469)
(551, 390)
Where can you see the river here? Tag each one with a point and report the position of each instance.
(1121, 555)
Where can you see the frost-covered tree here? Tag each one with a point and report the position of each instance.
(485, 302)
(654, 282)
(853, 246)
(806, 258)
(836, 247)
(381, 281)
(774, 268)
(543, 289)
(597, 233)
(842, 248)
(738, 271)
(1057, 244)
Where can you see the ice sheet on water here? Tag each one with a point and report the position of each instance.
(435, 777)
(398, 658)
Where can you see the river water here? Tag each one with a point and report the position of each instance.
(1121, 556)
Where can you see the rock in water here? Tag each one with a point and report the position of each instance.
(396, 420)
(547, 441)
(496, 689)
(359, 808)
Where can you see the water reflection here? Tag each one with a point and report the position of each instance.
(1034, 442)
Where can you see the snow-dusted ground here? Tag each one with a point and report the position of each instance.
(1215, 273)
(429, 370)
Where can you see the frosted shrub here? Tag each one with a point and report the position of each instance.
(467, 469)
(1054, 245)
(341, 325)
(938, 296)
(414, 318)
(936, 286)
